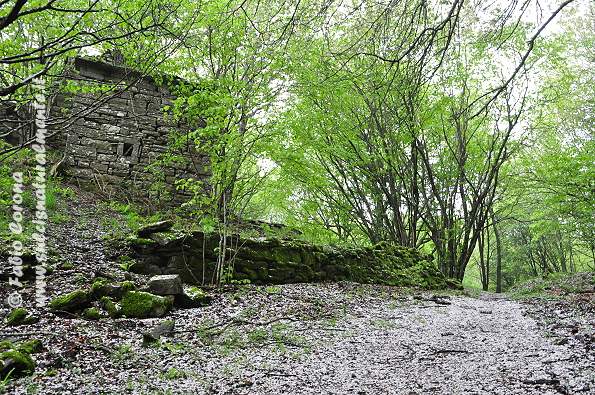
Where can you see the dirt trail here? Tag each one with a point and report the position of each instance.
(469, 346)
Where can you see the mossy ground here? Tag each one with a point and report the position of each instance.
(30, 346)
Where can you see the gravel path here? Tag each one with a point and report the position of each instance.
(318, 339)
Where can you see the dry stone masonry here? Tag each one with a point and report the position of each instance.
(115, 143)
(193, 257)
(114, 129)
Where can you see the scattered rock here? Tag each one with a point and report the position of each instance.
(166, 284)
(16, 364)
(542, 381)
(92, 313)
(70, 302)
(139, 304)
(101, 287)
(163, 329)
(561, 341)
(160, 226)
(20, 316)
(485, 311)
(438, 299)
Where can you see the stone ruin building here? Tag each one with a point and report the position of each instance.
(110, 139)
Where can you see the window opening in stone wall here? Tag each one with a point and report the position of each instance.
(128, 149)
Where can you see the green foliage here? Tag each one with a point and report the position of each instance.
(131, 216)
(126, 263)
(62, 30)
(5, 345)
(554, 285)
(173, 348)
(123, 353)
(16, 316)
(345, 123)
(174, 374)
(272, 290)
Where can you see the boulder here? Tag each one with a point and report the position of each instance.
(167, 284)
(16, 364)
(71, 302)
(20, 316)
(137, 304)
(195, 297)
(101, 287)
(160, 226)
(165, 328)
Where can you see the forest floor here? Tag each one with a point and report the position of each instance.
(332, 338)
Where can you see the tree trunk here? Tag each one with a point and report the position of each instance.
(498, 253)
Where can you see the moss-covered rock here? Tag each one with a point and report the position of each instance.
(92, 313)
(16, 316)
(127, 286)
(71, 302)
(102, 287)
(112, 309)
(32, 346)
(20, 316)
(155, 227)
(192, 298)
(139, 304)
(141, 242)
(5, 345)
(279, 261)
(15, 364)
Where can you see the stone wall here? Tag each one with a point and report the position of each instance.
(15, 123)
(115, 136)
(111, 131)
(281, 261)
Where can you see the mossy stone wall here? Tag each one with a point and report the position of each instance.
(276, 261)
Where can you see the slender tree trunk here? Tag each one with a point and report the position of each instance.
(498, 253)
(482, 266)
